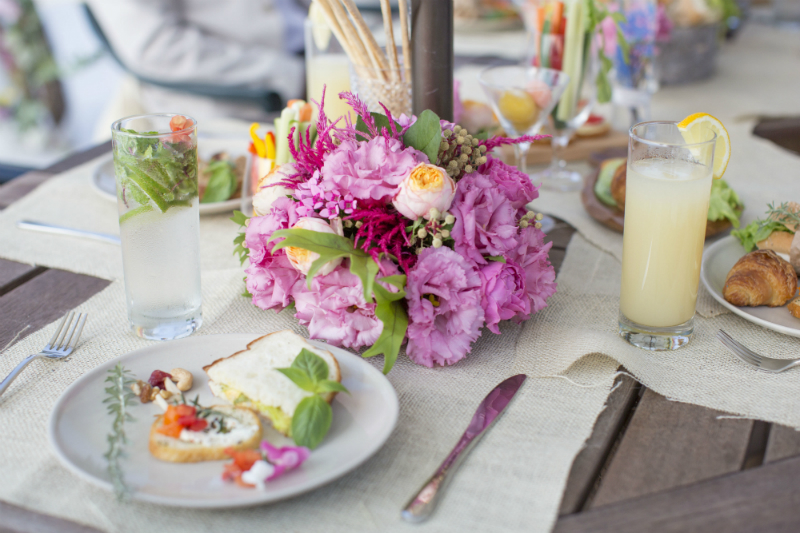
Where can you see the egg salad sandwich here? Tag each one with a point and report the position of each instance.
(777, 232)
(250, 378)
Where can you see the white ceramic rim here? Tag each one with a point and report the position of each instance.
(254, 497)
(712, 250)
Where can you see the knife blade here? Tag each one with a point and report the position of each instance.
(70, 232)
(421, 506)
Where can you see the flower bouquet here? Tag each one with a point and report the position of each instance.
(396, 230)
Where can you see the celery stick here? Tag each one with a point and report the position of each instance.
(572, 59)
(281, 135)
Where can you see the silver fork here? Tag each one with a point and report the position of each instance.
(759, 361)
(60, 346)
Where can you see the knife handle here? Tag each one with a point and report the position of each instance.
(422, 505)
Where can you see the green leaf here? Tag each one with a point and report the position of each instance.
(724, 203)
(300, 378)
(381, 123)
(135, 211)
(391, 311)
(498, 258)
(482, 135)
(624, 46)
(311, 421)
(326, 385)
(222, 183)
(151, 187)
(425, 135)
(603, 87)
(756, 231)
(312, 365)
(330, 247)
(240, 218)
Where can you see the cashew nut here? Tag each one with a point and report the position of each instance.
(165, 394)
(143, 390)
(171, 387)
(183, 378)
(162, 403)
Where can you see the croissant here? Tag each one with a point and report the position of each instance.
(760, 278)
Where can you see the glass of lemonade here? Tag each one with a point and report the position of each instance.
(328, 67)
(155, 162)
(667, 191)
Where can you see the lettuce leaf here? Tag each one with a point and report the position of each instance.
(756, 231)
(725, 203)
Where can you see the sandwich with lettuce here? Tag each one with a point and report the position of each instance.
(776, 232)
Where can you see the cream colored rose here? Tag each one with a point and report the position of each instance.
(268, 191)
(426, 187)
(302, 259)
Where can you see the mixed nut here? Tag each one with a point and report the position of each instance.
(162, 385)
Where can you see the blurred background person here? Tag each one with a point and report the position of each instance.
(209, 59)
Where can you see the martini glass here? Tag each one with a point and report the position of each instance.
(523, 97)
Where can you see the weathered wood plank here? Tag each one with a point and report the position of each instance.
(560, 235)
(670, 444)
(588, 464)
(783, 442)
(18, 187)
(15, 519)
(42, 300)
(13, 274)
(759, 499)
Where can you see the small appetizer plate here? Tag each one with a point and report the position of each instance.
(79, 424)
(104, 182)
(718, 260)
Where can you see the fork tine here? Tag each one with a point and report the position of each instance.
(55, 335)
(744, 349)
(63, 334)
(70, 333)
(736, 348)
(79, 329)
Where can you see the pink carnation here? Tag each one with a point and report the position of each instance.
(283, 215)
(515, 184)
(271, 282)
(444, 307)
(540, 277)
(485, 219)
(369, 170)
(503, 293)
(335, 310)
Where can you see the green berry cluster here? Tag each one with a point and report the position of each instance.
(460, 153)
(433, 232)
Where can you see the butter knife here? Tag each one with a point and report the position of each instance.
(421, 506)
(70, 232)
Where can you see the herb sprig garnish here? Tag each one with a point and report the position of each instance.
(119, 398)
(313, 416)
(206, 412)
(783, 214)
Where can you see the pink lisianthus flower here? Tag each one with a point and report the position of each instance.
(515, 184)
(369, 170)
(271, 282)
(485, 219)
(284, 459)
(444, 307)
(540, 276)
(503, 293)
(283, 215)
(335, 310)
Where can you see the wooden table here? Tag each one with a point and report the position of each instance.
(651, 464)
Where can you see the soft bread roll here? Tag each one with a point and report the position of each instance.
(794, 252)
(181, 451)
(794, 307)
(760, 278)
(778, 241)
(618, 185)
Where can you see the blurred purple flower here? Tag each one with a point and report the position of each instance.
(503, 293)
(284, 459)
(485, 219)
(540, 277)
(444, 307)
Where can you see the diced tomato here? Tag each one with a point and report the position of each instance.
(199, 424)
(179, 122)
(595, 119)
(244, 459)
(171, 430)
(186, 410)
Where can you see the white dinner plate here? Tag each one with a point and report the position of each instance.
(718, 260)
(104, 182)
(79, 423)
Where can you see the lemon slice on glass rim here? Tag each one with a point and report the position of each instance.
(695, 128)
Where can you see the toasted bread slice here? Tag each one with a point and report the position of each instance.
(778, 241)
(249, 378)
(196, 446)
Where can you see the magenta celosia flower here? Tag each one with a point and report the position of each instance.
(515, 184)
(485, 219)
(335, 310)
(283, 215)
(271, 282)
(503, 293)
(284, 459)
(444, 307)
(369, 170)
(540, 277)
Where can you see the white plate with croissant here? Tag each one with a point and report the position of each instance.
(766, 279)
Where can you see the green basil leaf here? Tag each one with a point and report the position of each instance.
(425, 135)
(239, 218)
(326, 385)
(313, 365)
(299, 377)
(311, 422)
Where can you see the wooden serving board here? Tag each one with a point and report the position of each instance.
(614, 218)
(579, 148)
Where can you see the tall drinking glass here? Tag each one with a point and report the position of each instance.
(328, 67)
(667, 191)
(159, 219)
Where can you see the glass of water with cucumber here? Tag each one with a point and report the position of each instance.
(155, 162)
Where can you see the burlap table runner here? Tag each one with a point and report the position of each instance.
(513, 480)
